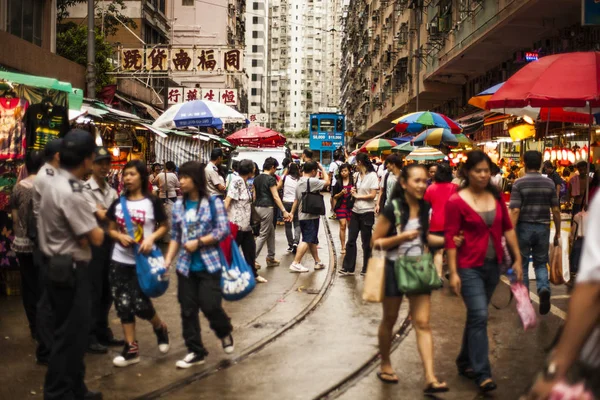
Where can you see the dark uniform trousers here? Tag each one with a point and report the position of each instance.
(44, 317)
(101, 297)
(66, 368)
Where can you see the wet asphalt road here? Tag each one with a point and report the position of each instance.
(309, 333)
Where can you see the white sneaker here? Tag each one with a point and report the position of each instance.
(260, 279)
(190, 360)
(297, 267)
(130, 355)
(227, 343)
(319, 265)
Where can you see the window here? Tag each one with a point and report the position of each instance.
(254, 34)
(255, 20)
(187, 2)
(25, 20)
(339, 125)
(257, 63)
(255, 6)
(254, 92)
(254, 77)
(327, 125)
(314, 124)
(254, 104)
(254, 48)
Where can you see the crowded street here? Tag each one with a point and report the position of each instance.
(307, 336)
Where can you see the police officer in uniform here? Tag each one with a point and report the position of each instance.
(100, 196)
(44, 320)
(66, 229)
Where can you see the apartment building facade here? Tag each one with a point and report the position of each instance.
(256, 56)
(303, 58)
(407, 55)
(28, 41)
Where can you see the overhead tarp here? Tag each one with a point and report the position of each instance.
(35, 88)
(181, 148)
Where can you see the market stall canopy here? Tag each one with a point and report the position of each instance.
(553, 114)
(426, 154)
(198, 113)
(561, 80)
(257, 136)
(418, 121)
(463, 140)
(435, 137)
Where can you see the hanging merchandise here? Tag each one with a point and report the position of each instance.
(12, 131)
(45, 122)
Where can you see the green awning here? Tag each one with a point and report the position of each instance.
(36, 81)
(75, 99)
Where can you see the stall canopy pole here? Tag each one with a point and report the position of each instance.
(91, 53)
(589, 155)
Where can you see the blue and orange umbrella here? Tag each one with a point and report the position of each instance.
(435, 137)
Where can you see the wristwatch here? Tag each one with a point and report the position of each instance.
(550, 370)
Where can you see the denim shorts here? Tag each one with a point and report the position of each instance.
(310, 230)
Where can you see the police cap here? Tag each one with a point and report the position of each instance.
(76, 147)
(52, 147)
(101, 154)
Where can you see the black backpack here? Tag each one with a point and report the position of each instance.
(312, 203)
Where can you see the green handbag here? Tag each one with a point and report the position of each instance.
(414, 274)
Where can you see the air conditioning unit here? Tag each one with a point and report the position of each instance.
(433, 29)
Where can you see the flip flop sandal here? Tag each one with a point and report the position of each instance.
(436, 387)
(387, 378)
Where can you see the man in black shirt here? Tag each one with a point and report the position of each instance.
(266, 198)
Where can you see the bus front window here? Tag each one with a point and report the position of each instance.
(327, 125)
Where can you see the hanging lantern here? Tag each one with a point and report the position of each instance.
(553, 155)
(584, 153)
(571, 156)
(564, 154)
(559, 154)
(547, 155)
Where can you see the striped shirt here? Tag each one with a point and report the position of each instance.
(534, 195)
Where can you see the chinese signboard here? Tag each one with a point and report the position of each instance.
(176, 95)
(181, 59)
(258, 119)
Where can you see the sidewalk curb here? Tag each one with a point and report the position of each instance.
(261, 344)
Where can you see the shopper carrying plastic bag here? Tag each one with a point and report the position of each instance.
(199, 224)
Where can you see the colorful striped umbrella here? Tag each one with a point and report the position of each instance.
(435, 137)
(426, 154)
(378, 145)
(463, 140)
(417, 121)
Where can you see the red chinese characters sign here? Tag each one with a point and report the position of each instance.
(182, 59)
(177, 95)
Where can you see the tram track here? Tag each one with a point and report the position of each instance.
(261, 344)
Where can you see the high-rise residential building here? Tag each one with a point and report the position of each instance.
(407, 55)
(301, 61)
(255, 56)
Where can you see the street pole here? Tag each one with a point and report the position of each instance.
(418, 55)
(91, 53)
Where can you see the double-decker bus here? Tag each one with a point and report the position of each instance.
(327, 134)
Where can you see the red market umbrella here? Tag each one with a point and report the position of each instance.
(561, 80)
(257, 136)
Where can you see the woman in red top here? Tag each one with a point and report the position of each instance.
(437, 195)
(480, 214)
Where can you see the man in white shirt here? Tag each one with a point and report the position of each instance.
(215, 184)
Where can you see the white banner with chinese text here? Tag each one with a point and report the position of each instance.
(178, 95)
(181, 59)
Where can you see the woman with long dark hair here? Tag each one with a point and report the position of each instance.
(437, 195)
(478, 211)
(408, 210)
(287, 185)
(199, 224)
(363, 214)
(341, 195)
(149, 223)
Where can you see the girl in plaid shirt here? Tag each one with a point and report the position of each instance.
(199, 224)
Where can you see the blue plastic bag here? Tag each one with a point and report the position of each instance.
(237, 278)
(150, 267)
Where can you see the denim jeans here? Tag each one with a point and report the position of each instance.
(478, 285)
(534, 239)
(292, 229)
